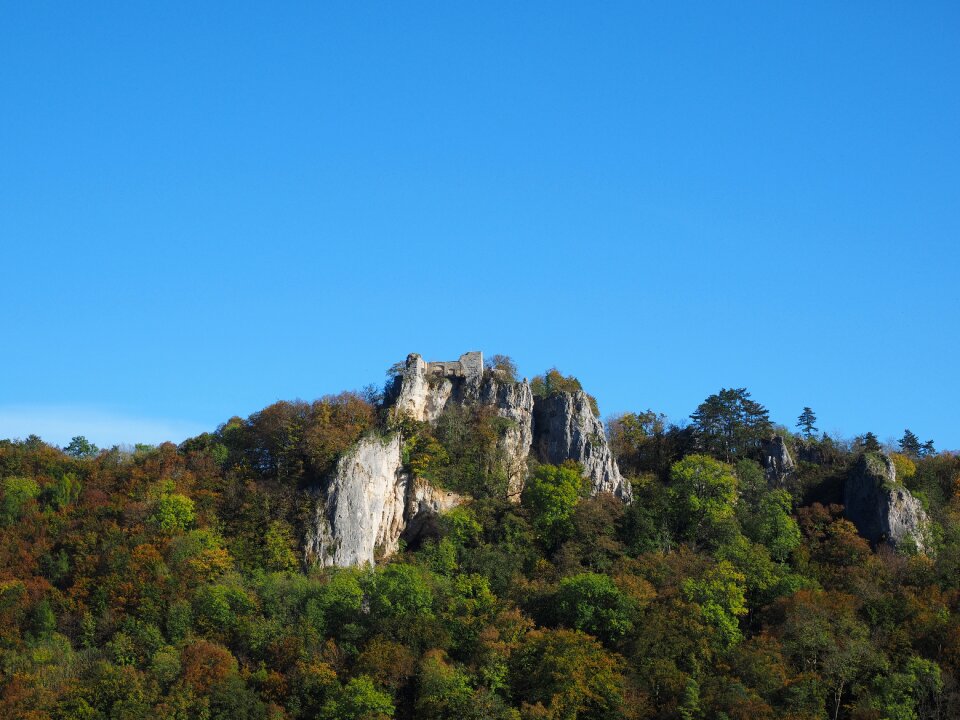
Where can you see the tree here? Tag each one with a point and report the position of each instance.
(359, 699)
(551, 494)
(80, 447)
(720, 595)
(823, 634)
(637, 440)
(443, 690)
(701, 498)
(172, 512)
(592, 603)
(18, 492)
(567, 674)
(503, 365)
(764, 513)
(730, 424)
(553, 381)
(928, 450)
(869, 443)
(910, 444)
(807, 422)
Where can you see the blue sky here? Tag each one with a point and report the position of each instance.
(207, 207)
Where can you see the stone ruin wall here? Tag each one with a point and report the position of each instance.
(469, 365)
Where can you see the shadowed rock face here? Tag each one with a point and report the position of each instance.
(778, 466)
(883, 510)
(565, 428)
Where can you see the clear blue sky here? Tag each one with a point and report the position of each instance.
(206, 207)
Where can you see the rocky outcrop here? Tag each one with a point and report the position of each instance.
(423, 390)
(420, 394)
(513, 401)
(565, 428)
(425, 504)
(883, 510)
(778, 466)
(364, 506)
(369, 504)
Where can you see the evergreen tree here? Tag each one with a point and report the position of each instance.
(928, 450)
(730, 424)
(807, 422)
(910, 444)
(869, 443)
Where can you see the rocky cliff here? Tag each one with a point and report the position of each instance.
(778, 466)
(565, 428)
(423, 390)
(883, 509)
(514, 402)
(370, 502)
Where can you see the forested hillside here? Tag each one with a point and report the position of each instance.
(729, 582)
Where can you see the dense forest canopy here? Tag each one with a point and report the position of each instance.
(170, 581)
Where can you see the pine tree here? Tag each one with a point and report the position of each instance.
(807, 422)
(910, 444)
(928, 450)
(869, 443)
(730, 424)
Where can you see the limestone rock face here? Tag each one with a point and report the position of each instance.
(364, 506)
(514, 402)
(421, 395)
(565, 428)
(369, 504)
(778, 466)
(883, 509)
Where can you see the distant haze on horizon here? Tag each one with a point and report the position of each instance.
(203, 212)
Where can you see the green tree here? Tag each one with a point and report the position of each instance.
(18, 492)
(443, 691)
(720, 595)
(278, 546)
(807, 422)
(764, 513)
(401, 600)
(701, 498)
(868, 443)
(822, 633)
(62, 492)
(359, 699)
(80, 447)
(172, 512)
(730, 424)
(551, 494)
(592, 603)
(910, 444)
(639, 441)
(553, 381)
(910, 694)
